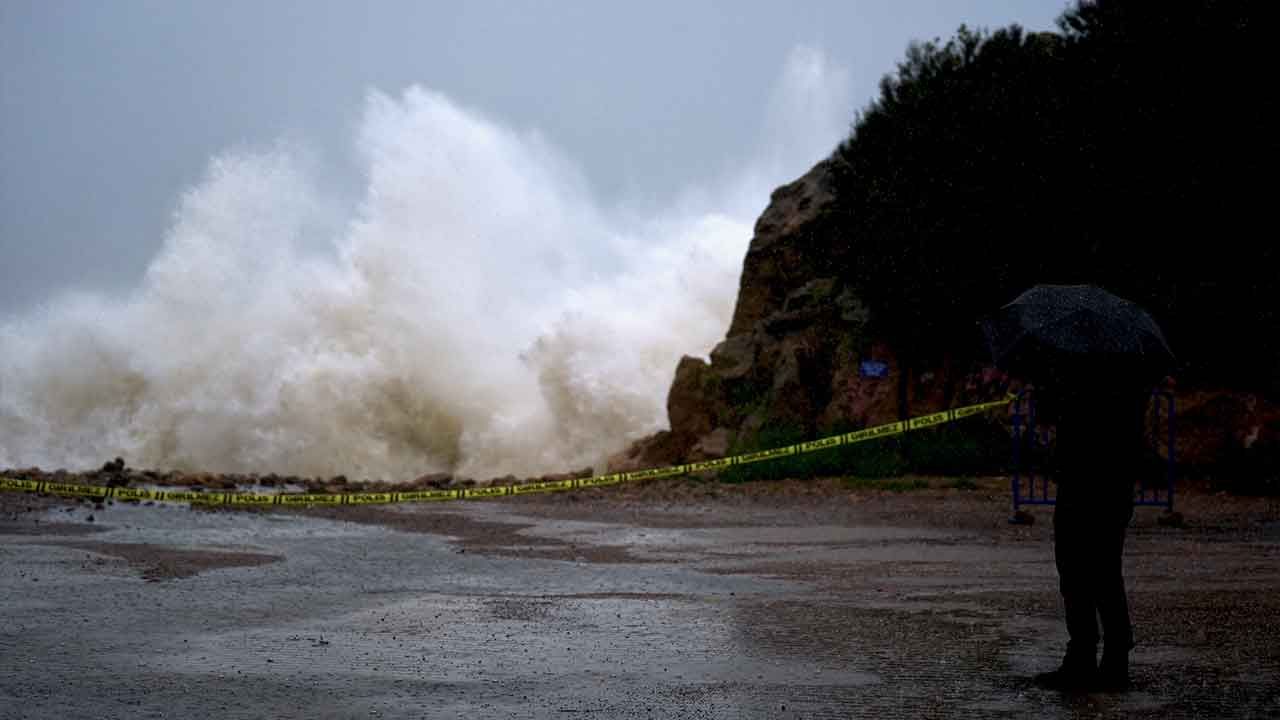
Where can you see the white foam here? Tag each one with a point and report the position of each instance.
(480, 312)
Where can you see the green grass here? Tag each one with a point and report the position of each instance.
(969, 448)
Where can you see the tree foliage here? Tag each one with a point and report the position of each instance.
(1134, 149)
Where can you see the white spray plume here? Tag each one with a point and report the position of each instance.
(479, 313)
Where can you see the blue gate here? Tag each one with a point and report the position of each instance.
(1031, 483)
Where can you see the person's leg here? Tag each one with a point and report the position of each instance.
(1113, 604)
(1071, 552)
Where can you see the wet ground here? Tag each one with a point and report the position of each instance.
(670, 600)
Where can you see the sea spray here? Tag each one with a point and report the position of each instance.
(479, 312)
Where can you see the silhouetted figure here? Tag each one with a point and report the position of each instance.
(1090, 355)
(1099, 412)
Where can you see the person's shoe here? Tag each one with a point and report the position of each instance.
(1113, 673)
(1075, 674)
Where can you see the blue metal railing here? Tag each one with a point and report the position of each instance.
(1030, 481)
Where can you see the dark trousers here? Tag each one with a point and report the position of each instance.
(1088, 546)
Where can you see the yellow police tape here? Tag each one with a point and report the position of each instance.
(382, 498)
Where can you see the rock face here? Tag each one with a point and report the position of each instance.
(780, 256)
(798, 362)
(1220, 433)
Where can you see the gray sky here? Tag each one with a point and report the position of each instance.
(112, 109)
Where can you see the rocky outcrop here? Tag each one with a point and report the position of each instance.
(798, 360)
(787, 239)
(1220, 431)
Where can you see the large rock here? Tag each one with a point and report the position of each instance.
(798, 360)
(790, 363)
(783, 235)
(1212, 426)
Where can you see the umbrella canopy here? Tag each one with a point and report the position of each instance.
(1053, 327)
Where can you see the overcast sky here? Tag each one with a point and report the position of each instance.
(111, 110)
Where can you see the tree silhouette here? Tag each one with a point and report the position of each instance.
(1134, 149)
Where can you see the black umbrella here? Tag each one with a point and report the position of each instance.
(1050, 328)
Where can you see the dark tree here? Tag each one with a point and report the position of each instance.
(1135, 149)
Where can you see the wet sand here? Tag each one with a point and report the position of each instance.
(665, 599)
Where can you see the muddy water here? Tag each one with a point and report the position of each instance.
(497, 610)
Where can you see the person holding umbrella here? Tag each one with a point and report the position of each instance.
(1091, 358)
